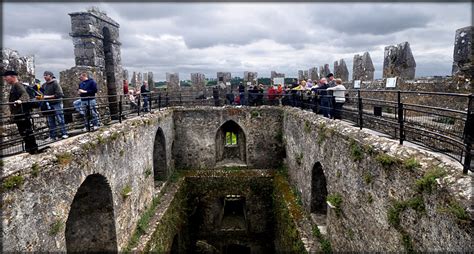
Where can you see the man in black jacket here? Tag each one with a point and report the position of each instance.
(146, 96)
(52, 94)
(20, 112)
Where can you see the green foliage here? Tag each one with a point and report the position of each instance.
(254, 113)
(12, 182)
(407, 242)
(393, 213)
(322, 133)
(100, 140)
(357, 153)
(64, 158)
(335, 200)
(147, 172)
(458, 211)
(279, 136)
(338, 173)
(142, 224)
(1, 163)
(56, 227)
(307, 126)
(411, 164)
(122, 152)
(114, 136)
(368, 178)
(428, 182)
(35, 169)
(386, 160)
(445, 120)
(126, 191)
(370, 199)
(325, 243)
(299, 158)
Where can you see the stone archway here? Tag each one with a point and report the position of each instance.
(231, 144)
(318, 190)
(90, 226)
(160, 171)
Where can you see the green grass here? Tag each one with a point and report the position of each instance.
(368, 178)
(393, 213)
(322, 133)
(457, 211)
(12, 182)
(148, 172)
(307, 126)
(411, 164)
(64, 158)
(428, 182)
(407, 242)
(357, 154)
(386, 160)
(142, 224)
(299, 158)
(335, 200)
(324, 243)
(35, 169)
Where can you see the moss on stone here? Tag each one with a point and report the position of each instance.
(147, 172)
(368, 178)
(386, 160)
(307, 127)
(370, 199)
(407, 242)
(336, 200)
(122, 152)
(411, 164)
(324, 243)
(299, 158)
(35, 169)
(357, 154)
(322, 133)
(126, 191)
(393, 213)
(12, 182)
(455, 209)
(56, 227)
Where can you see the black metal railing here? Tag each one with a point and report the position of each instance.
(443, 122)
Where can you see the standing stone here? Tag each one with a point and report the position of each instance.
(198, 81)
(363, 68)
(305, 74)
(172, 82)
(462, 57)
(300, 75)
(223, 77)
(145, 77)
(139, 79)
(250, 77)
(151, 81)
(324, 71)
(399, 62)
(134, 79)
(275, 74)
(340, 70)
(313, 73)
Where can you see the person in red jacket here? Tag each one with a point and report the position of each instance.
(272, 93)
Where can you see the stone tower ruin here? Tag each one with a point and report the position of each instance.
(462, 56)
(97, 50)
(340, 70)
(398, 61)
(362, 67)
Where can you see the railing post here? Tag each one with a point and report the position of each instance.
(401, 119)
(360, 108)
(180, 99)
(120, 109)
(159, 101)
(139, 103)
(89, 115)
(468, 135)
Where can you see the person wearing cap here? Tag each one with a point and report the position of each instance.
(52, 94)
(331, 81)
(21, 114)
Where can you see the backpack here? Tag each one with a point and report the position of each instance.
(32, 93)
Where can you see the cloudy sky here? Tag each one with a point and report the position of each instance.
(238, 37)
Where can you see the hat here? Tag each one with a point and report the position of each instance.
(329, 75)
(10, 73)
(48, 73)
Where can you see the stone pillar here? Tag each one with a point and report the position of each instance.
(250, 77)
(340, 70)
(363, 68)
(139, 79)
(198, 84)
(313, 73)
(172, 82)
(399, 62)
(133, 82)
(151, 81)
(145, 77)
(125, 74)
(324, 71)
(462, 56)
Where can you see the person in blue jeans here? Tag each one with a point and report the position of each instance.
(52, 94)
(145, 95)
(87, 90)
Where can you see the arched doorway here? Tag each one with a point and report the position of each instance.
(160, 171)
(90, 226)
(110, 72)
(230, 144)
(318, 190)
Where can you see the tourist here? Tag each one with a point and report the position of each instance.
(145, 93)
(260, 95)
(87, 90)
(324, 101)
(20, 112)
(125, 87)
(309, 84)
(331, 81)
(215, 95)
(52, 96)
(339, 93)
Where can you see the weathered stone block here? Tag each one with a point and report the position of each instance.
(399, 62)
(340, 70)
(463, 57)
(363, 68)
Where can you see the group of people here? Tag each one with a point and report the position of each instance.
(326, 95)
(134, 98)
(49, 98)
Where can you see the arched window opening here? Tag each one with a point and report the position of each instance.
(160, 171)
(230, 145)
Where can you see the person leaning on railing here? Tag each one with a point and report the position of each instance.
(52, 94)
(20, 111)
(339, 92)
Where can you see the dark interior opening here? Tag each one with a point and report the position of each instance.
(318, 190)
(159, 157)
(236, 249)
(230, 143)
(234, 213)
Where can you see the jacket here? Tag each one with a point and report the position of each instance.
(18, 92)
(53, 88)
(90, 86)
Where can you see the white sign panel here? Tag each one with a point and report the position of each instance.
(249, 83)
(278, 81)
(356, 83)
(227, 83)
(391, 82)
